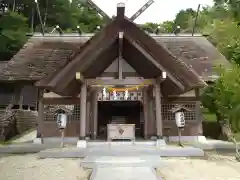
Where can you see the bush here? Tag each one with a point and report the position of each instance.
(211, 129)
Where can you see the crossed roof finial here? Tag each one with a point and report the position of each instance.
(132, 18)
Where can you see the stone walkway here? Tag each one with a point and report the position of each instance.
(125, 173)
(122, 168)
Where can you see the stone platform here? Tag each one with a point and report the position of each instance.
(165, 151)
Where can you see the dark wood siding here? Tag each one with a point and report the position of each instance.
(11, 93)
(29, 94)
(7, 93)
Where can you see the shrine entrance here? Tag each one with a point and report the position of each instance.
(119, 112)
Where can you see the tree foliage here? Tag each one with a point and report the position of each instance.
(221, 23)
(18, 17)
(12, 33)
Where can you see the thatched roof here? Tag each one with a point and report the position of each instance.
(43, 55)
(2, 64)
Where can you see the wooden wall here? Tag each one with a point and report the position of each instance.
(17, 93)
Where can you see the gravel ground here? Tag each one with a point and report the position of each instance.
(28, 167)
(214, 167)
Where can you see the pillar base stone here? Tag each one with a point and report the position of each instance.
(38, 141)
(160, 142)
(81, 144)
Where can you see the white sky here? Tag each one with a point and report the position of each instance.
(160, 10)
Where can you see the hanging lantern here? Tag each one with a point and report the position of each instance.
(114, 95)
(164, 75)
(104, 92)
(126, 94)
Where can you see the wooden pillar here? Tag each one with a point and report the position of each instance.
(145, 111)
(158, 110)
(88, 118)
(83, 101)
(198, 111)
(94, 114)
(151, 115)
(40, 119)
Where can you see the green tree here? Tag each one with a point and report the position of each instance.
(13, 28)
(232, 5)
(167, 26)
(223, 99)
(15, 25)
(150, 27)
(226, 36)
(183, 16)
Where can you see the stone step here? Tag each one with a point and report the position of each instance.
(124, 173)
(168, 151)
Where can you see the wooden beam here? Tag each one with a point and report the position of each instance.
(98, 9)
(141, 10)
(114, 74)
(150, 58)
(87, 56)
(130, 81)
(120, 10)
(180, 99)
(61, 101)
(120, 61)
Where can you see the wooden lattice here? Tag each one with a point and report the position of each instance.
(189, 115)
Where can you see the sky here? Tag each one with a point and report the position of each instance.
(159, 11)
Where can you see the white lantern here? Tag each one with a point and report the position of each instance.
(114, 95)
(164, 75)
(180, 119)
(126, 95)
(104, 92)
(62, 120)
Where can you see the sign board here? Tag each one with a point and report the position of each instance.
(180, 119)
(61, 120)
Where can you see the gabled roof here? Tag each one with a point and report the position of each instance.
(141, 51)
